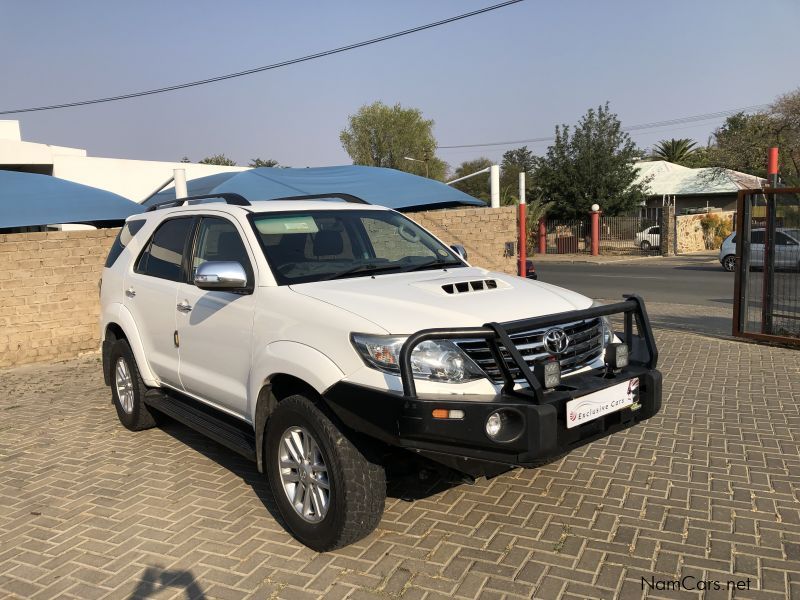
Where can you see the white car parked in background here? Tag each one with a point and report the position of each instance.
(649, 238)
(787, 249)
(320, 338)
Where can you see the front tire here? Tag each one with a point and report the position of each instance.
(729, 263)
(127, 389)
(327, 491)
(645, 246)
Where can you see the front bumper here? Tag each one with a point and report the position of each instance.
(462, 444)
(405, 420)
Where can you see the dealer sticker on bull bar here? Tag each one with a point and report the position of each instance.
(591, 406)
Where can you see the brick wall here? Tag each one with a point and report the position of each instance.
(49, 302)
(482, 231)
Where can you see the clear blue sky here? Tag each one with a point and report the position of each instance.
(510, 74)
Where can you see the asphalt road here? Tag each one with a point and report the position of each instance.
(685, 280)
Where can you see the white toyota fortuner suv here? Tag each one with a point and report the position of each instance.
(319, 337)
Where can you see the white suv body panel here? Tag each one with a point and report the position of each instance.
(240, 342)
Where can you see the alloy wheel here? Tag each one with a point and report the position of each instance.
(304, 474)
(124, 385)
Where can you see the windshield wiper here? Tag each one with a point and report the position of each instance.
(357, 268)
(433, 263)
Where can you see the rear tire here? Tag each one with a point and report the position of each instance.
(729, 263)
(127, 388)
(305, 451)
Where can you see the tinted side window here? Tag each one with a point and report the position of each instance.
(655, 231)
(130, 229)
(163, 256)
(756, 237)
(219, 240)
(784, 240)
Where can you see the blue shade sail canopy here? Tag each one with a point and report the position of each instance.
(375, 185)
(29, 200)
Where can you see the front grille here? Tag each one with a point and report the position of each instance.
(585, 345)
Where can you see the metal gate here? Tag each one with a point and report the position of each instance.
(630, 235)
(567, 237)
(767, 287)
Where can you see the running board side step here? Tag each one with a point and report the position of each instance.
(218, 426)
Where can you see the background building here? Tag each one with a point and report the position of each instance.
(133, 179)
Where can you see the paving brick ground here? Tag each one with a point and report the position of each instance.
(708, 488)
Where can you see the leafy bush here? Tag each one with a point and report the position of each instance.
(715, 230)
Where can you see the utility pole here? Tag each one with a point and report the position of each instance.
(494, 179)
(523, 228)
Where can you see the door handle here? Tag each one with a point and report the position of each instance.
(184, 307)
(130, 292)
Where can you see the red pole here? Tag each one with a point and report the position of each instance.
(542, 237)
(772, 166)
(595, 219)
(523, 242)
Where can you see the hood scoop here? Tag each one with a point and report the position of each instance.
(464, 287)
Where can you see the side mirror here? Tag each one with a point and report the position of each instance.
(459, 250)
(221, 276)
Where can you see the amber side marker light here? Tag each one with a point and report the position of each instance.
(443, 413)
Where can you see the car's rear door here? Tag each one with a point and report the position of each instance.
(151, 287)
(215, 327)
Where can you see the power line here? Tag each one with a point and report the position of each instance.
(278, 65)
(639, 127)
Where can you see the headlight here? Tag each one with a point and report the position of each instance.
(437, 360)
(608, 332)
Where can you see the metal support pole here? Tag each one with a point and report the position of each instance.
(542, 236)
(179, 176)
(595, 220)
(494, 179)
(523, 228)
(768, 285)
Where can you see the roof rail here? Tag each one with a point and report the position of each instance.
(341, 196)
(229, 198)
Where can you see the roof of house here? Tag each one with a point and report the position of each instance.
(29, 200)
(375, 185)
(676, 180)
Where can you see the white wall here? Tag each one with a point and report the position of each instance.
(134, 179)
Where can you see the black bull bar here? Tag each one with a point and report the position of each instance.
(641, 345)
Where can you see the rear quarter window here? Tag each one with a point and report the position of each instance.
(130, 229)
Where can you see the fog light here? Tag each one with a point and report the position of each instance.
(494, 424)
(617, 356)
(548, 374)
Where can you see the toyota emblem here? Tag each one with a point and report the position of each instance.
(556, 341)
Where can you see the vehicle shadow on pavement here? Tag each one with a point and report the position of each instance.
(408, 480)
(238, 465)
(156, 579)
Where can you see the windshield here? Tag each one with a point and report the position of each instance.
(319, 245)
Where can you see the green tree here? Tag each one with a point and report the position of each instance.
(741, 143)
(478, 186)
(594, 163)
(218, 159)
(786, 113)
(519, 160)
(260, 162)
(678, 151)
(386, 136)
